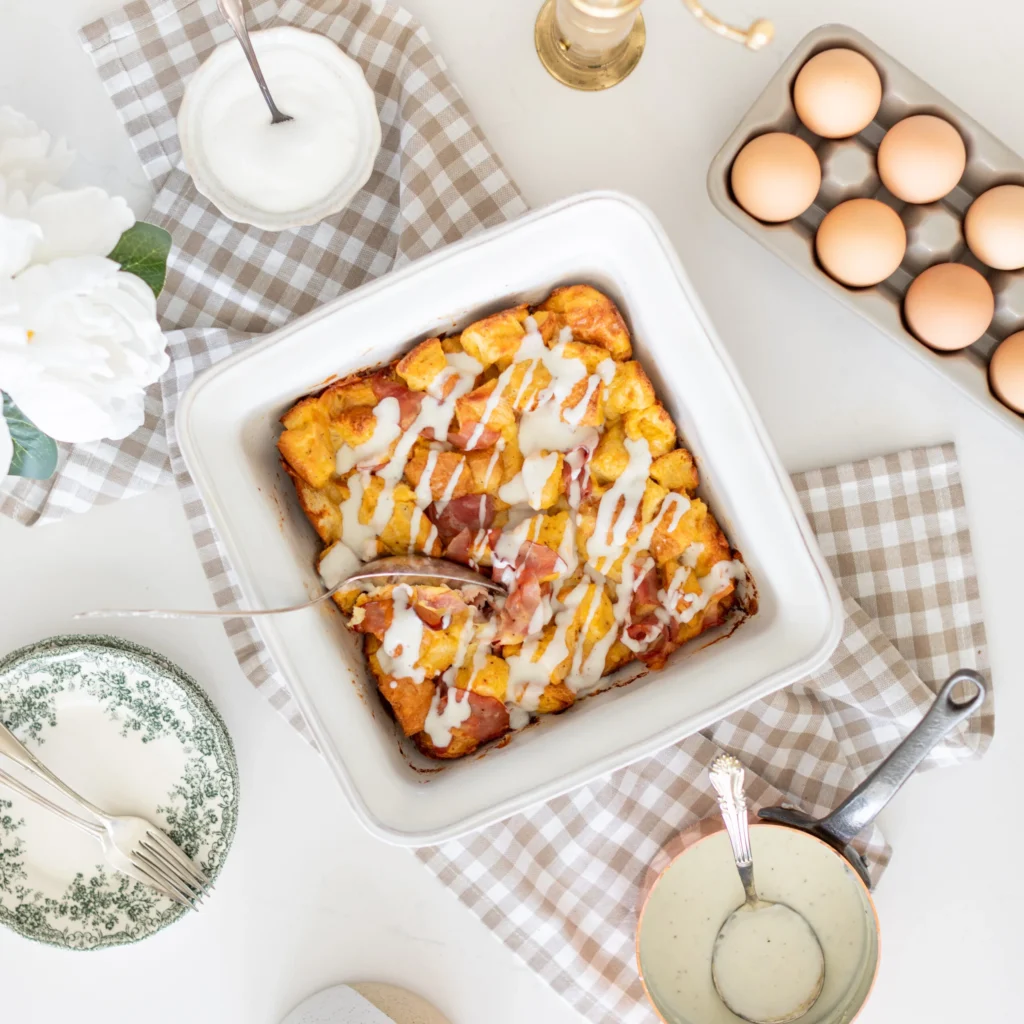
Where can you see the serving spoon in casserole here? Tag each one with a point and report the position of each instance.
(412, 570)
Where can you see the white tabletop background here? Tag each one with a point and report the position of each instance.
(307, 898)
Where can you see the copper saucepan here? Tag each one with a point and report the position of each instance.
(827, 840)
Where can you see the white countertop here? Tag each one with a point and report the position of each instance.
(307, 898)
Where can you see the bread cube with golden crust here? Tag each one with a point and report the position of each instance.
(590, 416)
(630, 388)
(556, 697)
(618, 655)
(547, 529)
(347, 394)
(610, 458)
(654, 425)
(485, 471)
(306, 444)
(490, 678)
(526, 381)
(471, 409)
(396, 537)
(559, 671)
(676, 470)
(496, 339)
(409, 700)
(437, 650)
(422, 365)
(445, 465)
(324, 514)
(549, 325)
(696, 526)
(356, 426)
(593, 318)
(592, 356)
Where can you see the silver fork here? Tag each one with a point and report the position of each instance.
(114, 856)
(131, 845)
(409, 569)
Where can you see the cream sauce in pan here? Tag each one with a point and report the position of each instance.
(701, 889)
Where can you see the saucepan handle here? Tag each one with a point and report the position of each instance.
(861, 807)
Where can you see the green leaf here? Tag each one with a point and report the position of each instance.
(35, 454)
(142, 250)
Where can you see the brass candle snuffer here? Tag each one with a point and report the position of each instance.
(595, 44)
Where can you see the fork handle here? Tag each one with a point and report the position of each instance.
(30, 794)
(12, 747)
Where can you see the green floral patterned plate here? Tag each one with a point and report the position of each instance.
(134, 734)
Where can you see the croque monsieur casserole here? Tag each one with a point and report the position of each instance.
(531, 447)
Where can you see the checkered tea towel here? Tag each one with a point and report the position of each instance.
(557, 884)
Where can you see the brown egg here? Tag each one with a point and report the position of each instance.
(861, 242)
(1006, 372)
(837, 93)
(921, 159)
(775, 177)
(994, 227)
(949, 306)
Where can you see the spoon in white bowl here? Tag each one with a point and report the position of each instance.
(411, 570)
(234, 13)
(767, 963)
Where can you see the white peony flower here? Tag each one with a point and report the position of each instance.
(79, 343)
(79, 339)
(27, 158)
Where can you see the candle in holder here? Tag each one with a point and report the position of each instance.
(594, 44)
(590, 44)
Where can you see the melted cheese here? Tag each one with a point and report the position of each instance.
(400, 650)
(386, 429)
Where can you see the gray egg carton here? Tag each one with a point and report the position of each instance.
(934, 232)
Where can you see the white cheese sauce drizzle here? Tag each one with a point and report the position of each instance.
(435, 414)
(546, 428)
(400, 649)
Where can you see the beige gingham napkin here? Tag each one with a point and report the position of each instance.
(557, 884)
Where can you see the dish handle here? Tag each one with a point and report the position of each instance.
(861, 807)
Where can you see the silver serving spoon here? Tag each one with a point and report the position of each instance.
(412, 570)
(727, 778)
(234, 13)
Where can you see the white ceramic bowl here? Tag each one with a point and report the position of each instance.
(205, 82)
(228, 423)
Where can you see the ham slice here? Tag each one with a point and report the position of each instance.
(471, 512)
(656, 655)
(576, 474)
(517, 613)
(467, 440)
(432, 604)
(532, 559)
(373, 616)
(488, 720)
(468, 546)
(386, 386)
(525, 590)
(645, 597)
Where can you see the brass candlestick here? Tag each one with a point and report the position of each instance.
(595, 44)
(590, 44)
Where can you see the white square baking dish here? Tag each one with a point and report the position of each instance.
(227, 426)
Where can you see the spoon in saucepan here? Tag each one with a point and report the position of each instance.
(234, 14)
(412, 570)
(745, 963)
